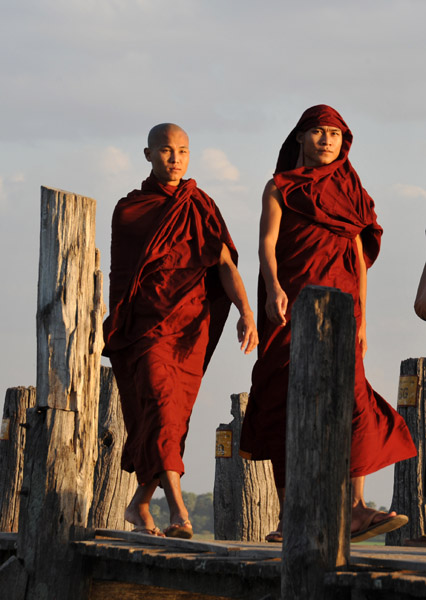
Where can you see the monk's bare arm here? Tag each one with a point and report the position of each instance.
(276, 302)
(362, 334)
(235, 290)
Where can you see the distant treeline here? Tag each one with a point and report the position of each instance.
(373, 505)
(200, 508)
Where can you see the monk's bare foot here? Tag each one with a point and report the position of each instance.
(179, 517)
(137, 512)
(180, 525)
(368, 523)
(179, 530)
(139, 516)
(362, 514)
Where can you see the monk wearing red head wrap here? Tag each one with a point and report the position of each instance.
(173, 277)
(318, 227)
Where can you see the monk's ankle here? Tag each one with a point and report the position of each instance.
(178, 518)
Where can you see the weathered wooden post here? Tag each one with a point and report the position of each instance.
(12, 445)
(113, 488)
(409, 475)
(61, 445)
(319, 417)
(245, 500)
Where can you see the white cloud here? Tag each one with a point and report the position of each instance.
(114, 161)
(409, 191)
(9, 187)
(17, 178)
(217, 165)
(115, 77)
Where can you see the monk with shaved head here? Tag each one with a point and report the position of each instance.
(318, 227)
(173, 277)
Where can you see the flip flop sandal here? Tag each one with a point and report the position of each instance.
(369, 529)
(275, 537)
(154, 531)
(179, 530)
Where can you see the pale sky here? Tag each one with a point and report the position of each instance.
(84, 81)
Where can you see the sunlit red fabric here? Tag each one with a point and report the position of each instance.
(324, 209)
(167, 311)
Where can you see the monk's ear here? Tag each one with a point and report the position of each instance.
(300, 137)
(147, 153)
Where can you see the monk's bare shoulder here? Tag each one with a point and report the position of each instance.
(271, 194)
(270, 188)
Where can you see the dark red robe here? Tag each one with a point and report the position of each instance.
(323, 210)
(167, 311)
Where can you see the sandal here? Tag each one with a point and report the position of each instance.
(179, 530)
(369, 529)
(154, 531)
(275, 537)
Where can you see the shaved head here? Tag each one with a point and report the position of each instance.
(168, 152)
(159, 132)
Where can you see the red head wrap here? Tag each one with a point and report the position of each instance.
(312, 117)
(313, 190)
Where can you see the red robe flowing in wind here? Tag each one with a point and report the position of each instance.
(323, 210)
(167, 311)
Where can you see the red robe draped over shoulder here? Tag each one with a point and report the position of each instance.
(323, 210)
(167, 311)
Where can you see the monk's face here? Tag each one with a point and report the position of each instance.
(169, 155)
(320, 145)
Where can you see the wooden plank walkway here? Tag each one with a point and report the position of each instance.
(212, 569)
(196, 569)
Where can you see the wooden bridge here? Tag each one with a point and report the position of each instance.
(129, 566)
(66, 491)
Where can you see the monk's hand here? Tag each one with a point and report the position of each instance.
(247, 332)
(362, 338)
(276, 306)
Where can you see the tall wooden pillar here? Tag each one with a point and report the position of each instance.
(246, 504)
(12, 445)
(319, 418)
(61, 447)
(113, 487)
(409, 476)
